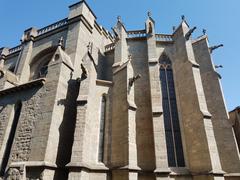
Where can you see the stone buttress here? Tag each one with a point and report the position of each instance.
(162, 170)
(228, 153)
(79, 103)
(123, 144)
(196, 119)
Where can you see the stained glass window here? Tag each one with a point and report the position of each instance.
(170, 113)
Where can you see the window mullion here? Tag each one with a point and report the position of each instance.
(171, 119)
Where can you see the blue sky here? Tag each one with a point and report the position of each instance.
(219, 17)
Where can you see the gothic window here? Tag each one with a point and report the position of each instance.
(43, 70)
(17, 111)
(11, 68)
(40, 63)
(170, 113)
(102, 129)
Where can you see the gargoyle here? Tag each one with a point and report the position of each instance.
(189, 33)
(133, 79)
(215, 47)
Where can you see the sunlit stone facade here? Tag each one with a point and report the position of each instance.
(80, 103)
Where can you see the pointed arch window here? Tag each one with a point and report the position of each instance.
(40, 63)
(43, 70)
(170, 113)
(102, 129)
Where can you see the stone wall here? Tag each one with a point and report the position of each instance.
(5, 112)
(144, 126)
(57, 134)
(31, 112)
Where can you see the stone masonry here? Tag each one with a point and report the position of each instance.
(80, 103)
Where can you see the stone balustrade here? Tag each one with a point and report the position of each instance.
(15, 49)
(109, 47)
(52, 26)
(164, 37)
(136, 34)
(142, 33)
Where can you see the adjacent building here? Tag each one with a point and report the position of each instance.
(235, 121)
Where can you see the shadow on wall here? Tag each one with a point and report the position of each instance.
(66, 129)
(104, 67)
(5, 161)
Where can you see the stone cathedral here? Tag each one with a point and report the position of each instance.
(80, 103)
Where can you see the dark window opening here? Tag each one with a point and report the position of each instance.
(11, 68)
(43, 70)
(102, 129)
(170, 113)
(17, 112)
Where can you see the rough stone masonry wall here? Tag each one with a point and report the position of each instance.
(5, 111)
(31, 112)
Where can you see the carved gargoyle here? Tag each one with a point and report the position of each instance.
(215, 47)
(133, 79)
(218, 66)
(189, 33)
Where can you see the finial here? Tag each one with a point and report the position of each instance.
(149, 14)
(174, 28)
(60, 42)
(204, 31)
(119, 19)
(189, 33)
(183, 17)
(129, 57)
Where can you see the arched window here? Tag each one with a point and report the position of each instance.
(17, 112)
(43, 70)
(40, 70)
(102, 129)
(12, 68)
(170, 113)
(39, 64)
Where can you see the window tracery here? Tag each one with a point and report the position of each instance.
(170, 113)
